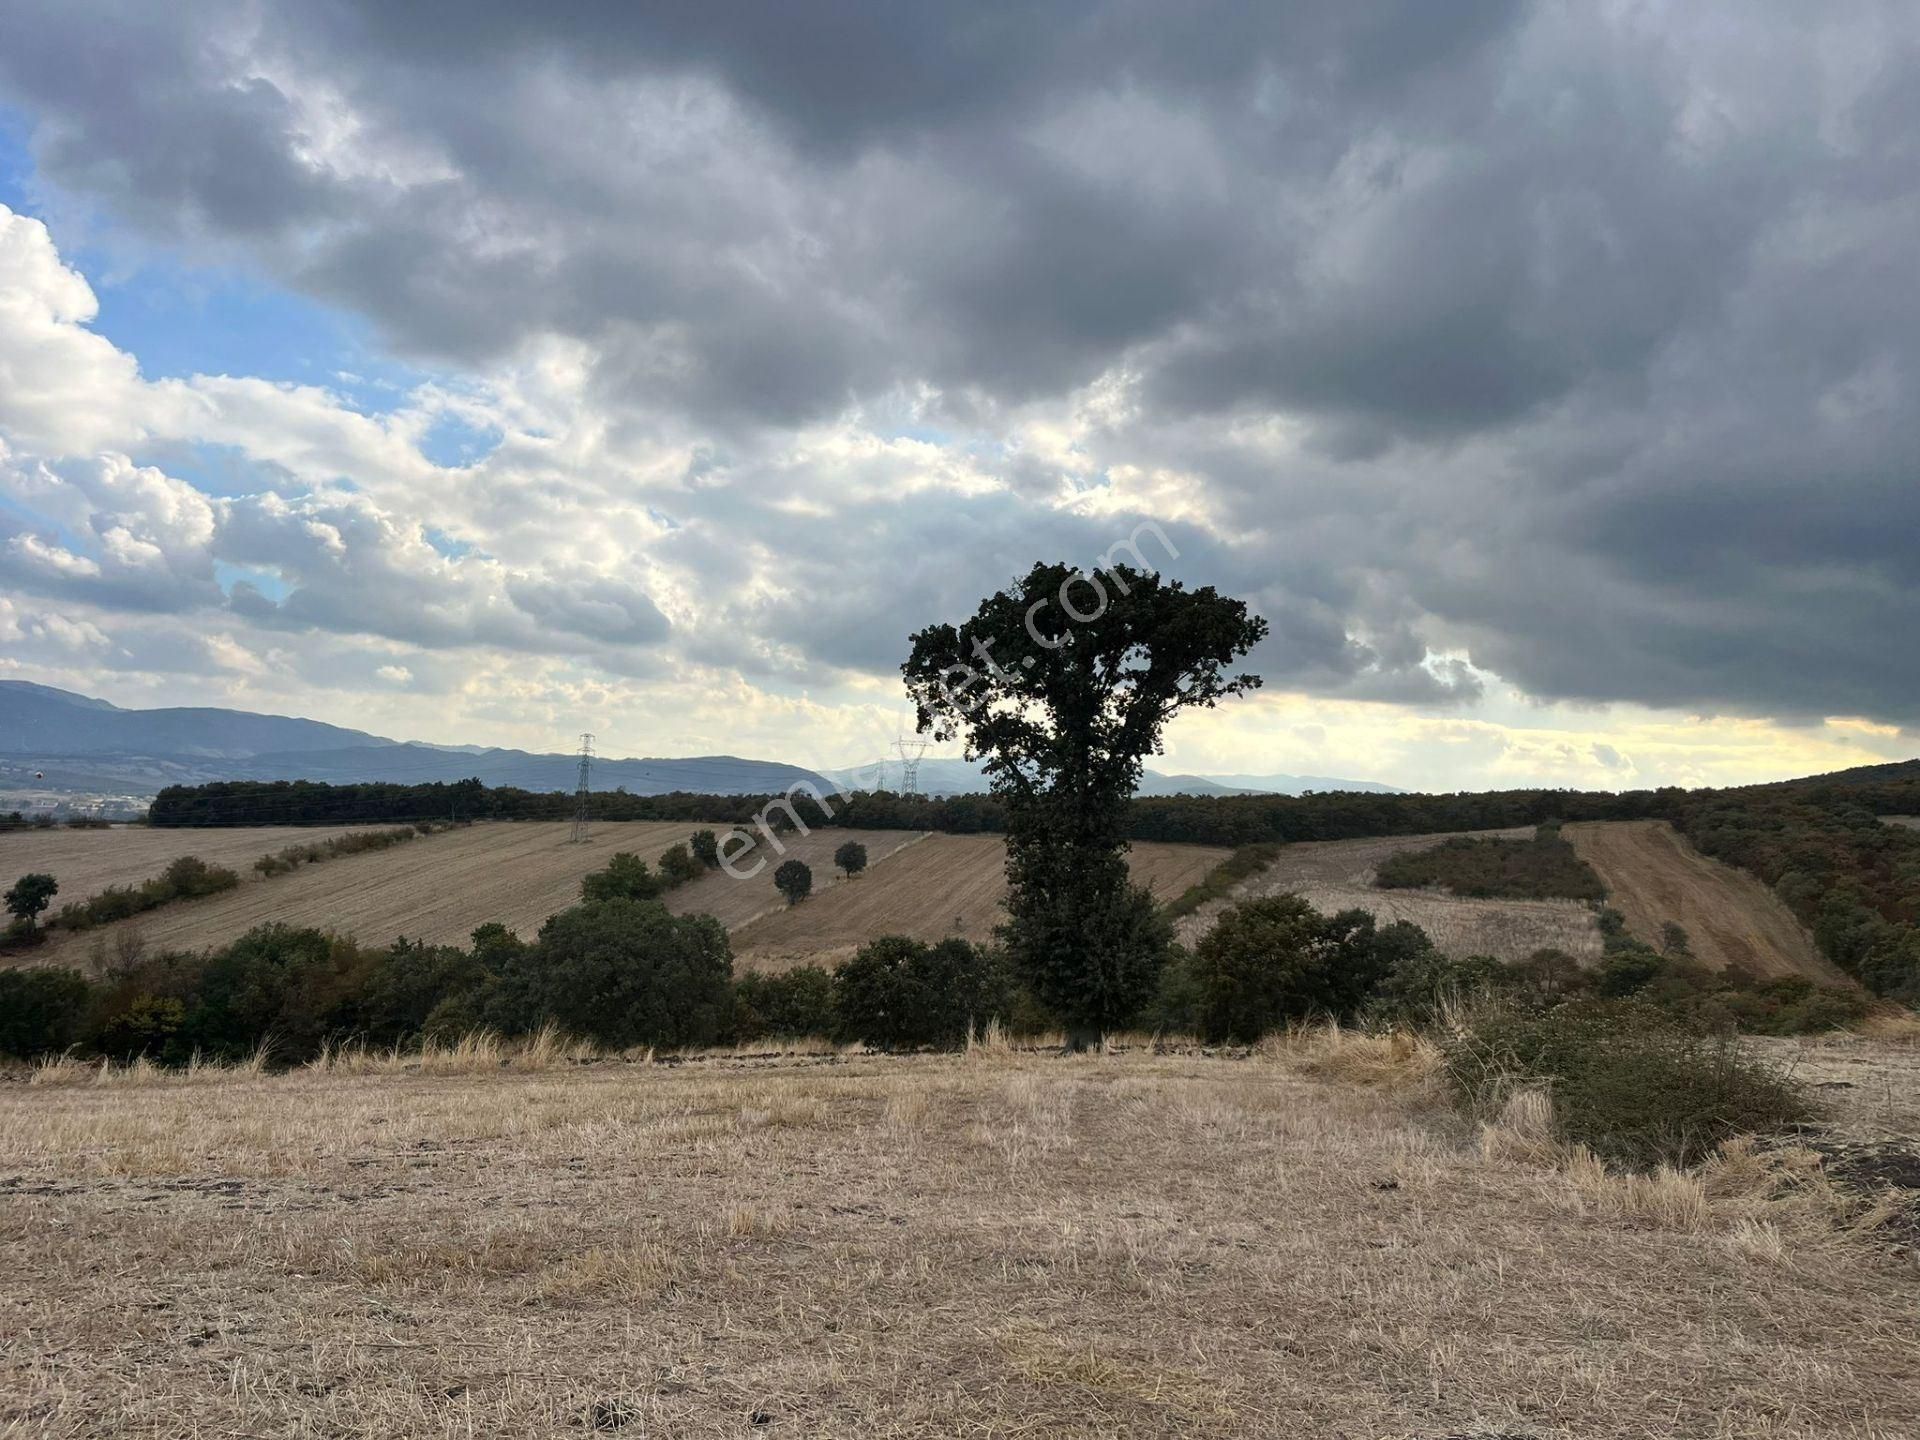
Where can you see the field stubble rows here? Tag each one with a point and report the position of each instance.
(998, 1243)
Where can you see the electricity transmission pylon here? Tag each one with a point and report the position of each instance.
(583, 789)
(910, 753)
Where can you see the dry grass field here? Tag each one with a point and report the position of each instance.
(1912, 822)
(86, 862)
(1338, 874)
(938, 886)
(440, 888)
(995, 1244)
(1653, 875)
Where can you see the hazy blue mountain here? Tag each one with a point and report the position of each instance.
(53, 740)
(945, 776)
(415, 764)
(40, 720)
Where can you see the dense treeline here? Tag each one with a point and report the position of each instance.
(1852, 879)
(1229, 820)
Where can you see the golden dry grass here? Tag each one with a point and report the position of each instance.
(938, 886)
(995, 1243)
(1338, 874)
(441, 889)
(1653, 875)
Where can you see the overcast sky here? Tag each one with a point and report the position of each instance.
(1545, 374)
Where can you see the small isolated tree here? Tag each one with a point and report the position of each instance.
(1062, 685)
(706, 848)
(678, 866)
(794, 879)
(625, 878)
(30, 895)
(851, 857)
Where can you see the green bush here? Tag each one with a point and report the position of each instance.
(705, 847)
(794, 879)
(899, 993)
(1271, 961)
(1627, 1080)
(187, 878)
(851, 857)
(625, 877)
(626, 972)
(1543, 867)
(1247, 860)
(41, 1011)
(794, 1003)
(678, 866)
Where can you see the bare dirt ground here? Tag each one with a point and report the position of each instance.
(1338, 874)
(939, 886)
(440, 888)
(1653, 875)
(996, 1245)
(86, 862)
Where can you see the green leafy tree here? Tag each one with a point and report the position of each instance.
(41, 1010)
(30, 895)
(626, 972)
(794, 1003)
(851, 857)
(706, 848)
(626, 877)
(1062, 685)
(1271, 961)
(900, 992)
(794, 879)
(678, 866)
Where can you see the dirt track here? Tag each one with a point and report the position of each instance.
(440, 888)
(939, 886)
(1653, 875)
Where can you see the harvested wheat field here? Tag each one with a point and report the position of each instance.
(1338, 875)
(938, 886)
(86, 862)
(441, 888)
(1654, 876)
(994, 1244)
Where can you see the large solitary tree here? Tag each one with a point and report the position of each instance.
(1062, 685)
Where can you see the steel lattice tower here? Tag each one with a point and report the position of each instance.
(910, 753)
(583, 789)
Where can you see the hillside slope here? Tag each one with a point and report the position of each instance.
(1654, 876)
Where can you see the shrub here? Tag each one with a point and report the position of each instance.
(897, 992)
(794, 879)
(187, 878)
(793, 1003)
(41, 1011)
(678, 866)
(1627, 1081)
(1543, 867)
(1275, 960)
(626, 877)
(30, 895)
(851, 857)
(1247, 860)
(625, 972)
(706, 848)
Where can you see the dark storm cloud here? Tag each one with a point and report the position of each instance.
(1592, 334)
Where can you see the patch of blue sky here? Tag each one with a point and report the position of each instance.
(179, 319)
(447, 546)
(268, 582)
(454, 443)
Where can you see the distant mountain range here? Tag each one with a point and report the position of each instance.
(941, 776)
(54, 741)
